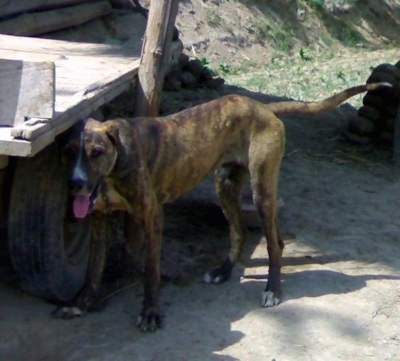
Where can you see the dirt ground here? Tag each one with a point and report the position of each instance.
(339, 218)
(341, 275)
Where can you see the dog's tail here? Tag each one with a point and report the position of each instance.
(290, 107)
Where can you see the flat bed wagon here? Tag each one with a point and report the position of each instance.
(48, 247)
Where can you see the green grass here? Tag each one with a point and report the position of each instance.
(212, 17)
(320, 76)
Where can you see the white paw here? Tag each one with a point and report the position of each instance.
(209, 278)
(68, 312)
(268, 299)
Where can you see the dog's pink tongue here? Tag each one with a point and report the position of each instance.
(81, 205)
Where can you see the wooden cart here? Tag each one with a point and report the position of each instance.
(48, 247)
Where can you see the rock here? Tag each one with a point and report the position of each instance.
(357, 139)
(386, 138)
(374, 100)
(389, 125)
(371, 113)
(214, 83)
(380, 76)
(188, 80)
(172, 79)
(206, 75)
(183, 60)
(195, 67)
(362, 126)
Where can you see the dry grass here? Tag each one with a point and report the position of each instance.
(313, 79)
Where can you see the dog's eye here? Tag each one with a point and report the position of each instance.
(96, 152)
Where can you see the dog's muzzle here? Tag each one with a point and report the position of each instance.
(84, 193)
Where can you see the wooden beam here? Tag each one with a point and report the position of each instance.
(27, 91)
(59, 51)
(8, 7)
(77, 107)
(29, 24)
(155, 56)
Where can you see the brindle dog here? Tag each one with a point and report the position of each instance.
(137, 165)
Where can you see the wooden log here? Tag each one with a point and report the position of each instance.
(9, 7)
(155, 56)
(27, 91)
(52, 20)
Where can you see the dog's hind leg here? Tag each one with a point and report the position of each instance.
(264, 182)
(229, 184)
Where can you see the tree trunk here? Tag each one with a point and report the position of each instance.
(155, 56)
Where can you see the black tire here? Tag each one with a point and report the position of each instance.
(48, 247)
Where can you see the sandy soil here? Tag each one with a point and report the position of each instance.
(341, 275)
(340, 279)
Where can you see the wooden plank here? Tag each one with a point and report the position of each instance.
(27, 91)
(87, 76)
(29, 24)
(23, 148)
(26, 48)
(9, 7)
(79, 106)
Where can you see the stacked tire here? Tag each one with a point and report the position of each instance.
(376, 117)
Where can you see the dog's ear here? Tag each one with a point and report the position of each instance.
(112, 132)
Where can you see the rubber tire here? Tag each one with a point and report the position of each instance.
(50, 261)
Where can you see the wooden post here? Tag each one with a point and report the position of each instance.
(155, 56)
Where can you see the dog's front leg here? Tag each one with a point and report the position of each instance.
(133, 253)
(97, 259)
(151, 317)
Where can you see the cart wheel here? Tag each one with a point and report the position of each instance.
(49, 248)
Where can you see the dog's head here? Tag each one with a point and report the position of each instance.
(92, 150)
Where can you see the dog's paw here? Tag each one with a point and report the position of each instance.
(268, 299)
(68, 312)
(150, 320)
(220, 274)
(215, 277)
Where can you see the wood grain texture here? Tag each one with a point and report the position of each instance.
(13, 7)
(155, 56)
(27, 91)
(37, 23)
(87, 76)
